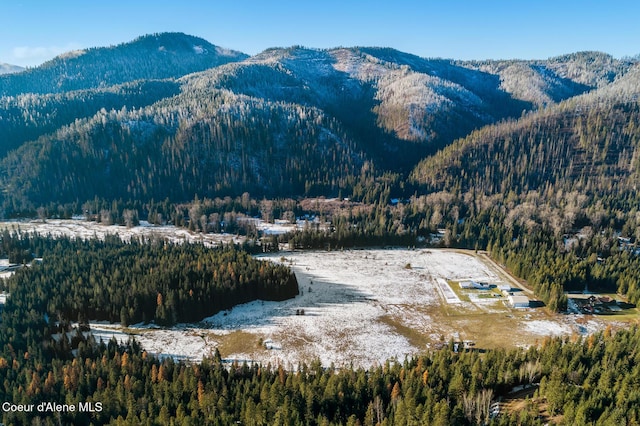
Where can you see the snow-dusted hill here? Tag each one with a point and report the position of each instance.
(286, 122)
(9, 69)
(154, 56)
(544, 82)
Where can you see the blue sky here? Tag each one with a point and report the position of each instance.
(32, 31)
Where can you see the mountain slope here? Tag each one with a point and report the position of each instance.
(589, 144)
(594, 69)
(288, 121)
(29, 116)
(182, 146)
(545, 82)
(414, 104)
(300, 122)
(158, 56)
(396, 104)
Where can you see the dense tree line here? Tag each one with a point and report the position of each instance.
(139, 281)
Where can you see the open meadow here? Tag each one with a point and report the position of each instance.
(363, 307)
(359, 307)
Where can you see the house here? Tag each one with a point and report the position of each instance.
(504, 288)
(518, 301)
(600, 304)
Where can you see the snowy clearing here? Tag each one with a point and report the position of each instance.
(361, 308)
(547, 328)
(356, 307)
(80, 228)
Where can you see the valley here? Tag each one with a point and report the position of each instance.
(357, 307)
(324, 236)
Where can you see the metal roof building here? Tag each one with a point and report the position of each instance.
(518, 301)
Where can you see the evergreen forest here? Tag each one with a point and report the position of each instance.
(43, 359)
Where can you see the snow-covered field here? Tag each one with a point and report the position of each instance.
(80, 228)
(359, 307)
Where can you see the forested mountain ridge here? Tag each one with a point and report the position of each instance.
(412, 99)
(183, 146)
(292, 122)
(588, 143)
(155, 56)
(28, 116)
(544, 82)
(388, 107)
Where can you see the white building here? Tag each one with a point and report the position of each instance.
(518, 301)
(474, 285)
(466, 284)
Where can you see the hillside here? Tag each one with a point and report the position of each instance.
(284, 123)
(184, 146)
(28, 116)
(545, 82)
(588, 144)
(404, 105)
(157, 56)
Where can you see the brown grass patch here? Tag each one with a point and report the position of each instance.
(414, 337)
(239, 342)
(536, 407)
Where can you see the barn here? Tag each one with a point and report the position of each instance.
(518, 301)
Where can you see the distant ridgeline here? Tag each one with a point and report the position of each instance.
(135, 282)
(172, 116)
